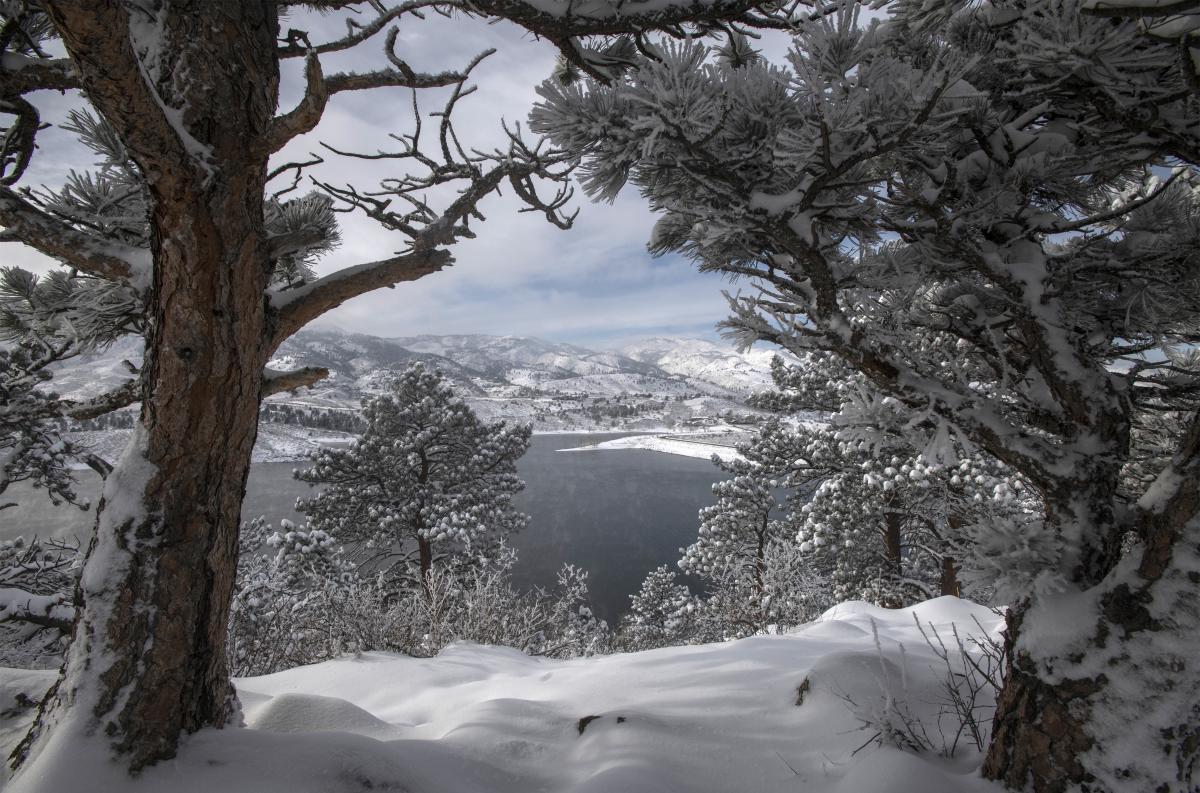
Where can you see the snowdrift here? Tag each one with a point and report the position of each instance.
(714, 718)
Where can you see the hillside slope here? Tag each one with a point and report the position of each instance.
(712, 718)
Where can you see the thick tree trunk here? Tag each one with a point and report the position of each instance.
(1102, 688)
(147, 660)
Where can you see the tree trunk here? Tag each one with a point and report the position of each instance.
(425, 552)
(893, 521)
(949, 582)
(147, 660)
(1106, 698)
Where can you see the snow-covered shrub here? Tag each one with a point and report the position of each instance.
(286, 599)
(306, 603)
(479, 603)
(969, 675)
(972, 673)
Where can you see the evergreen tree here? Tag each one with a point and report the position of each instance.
(887, 513)
(661, 613)
(426, 484)
(179, 237)
(741, 534)
(997, 232)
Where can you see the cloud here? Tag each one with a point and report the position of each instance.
(521, 275)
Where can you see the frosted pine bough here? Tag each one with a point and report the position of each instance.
(998, 234)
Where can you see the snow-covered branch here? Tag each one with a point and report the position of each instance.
(275, 381)
(124, 395)
(20, 74)
(297, 307)
(48, 611)
(85, 252)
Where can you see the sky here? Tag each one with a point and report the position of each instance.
(593, 285)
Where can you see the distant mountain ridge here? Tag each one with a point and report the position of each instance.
(660, 382)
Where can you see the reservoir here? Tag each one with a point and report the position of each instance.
(617, 513)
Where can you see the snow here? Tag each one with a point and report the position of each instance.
(698, 719)
(742, 372)
(696, 445)
(667, 382)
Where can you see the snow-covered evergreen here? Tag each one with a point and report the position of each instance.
(426, 484)
(990, 215)
(661, 613)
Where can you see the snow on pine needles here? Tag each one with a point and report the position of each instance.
(760, 715)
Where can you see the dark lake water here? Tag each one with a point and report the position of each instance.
(617, 513)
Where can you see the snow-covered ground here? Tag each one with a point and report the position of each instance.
(717, 718)
(693, 445)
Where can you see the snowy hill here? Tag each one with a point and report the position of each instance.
(740, 372)
(760, 715)
(662, 384)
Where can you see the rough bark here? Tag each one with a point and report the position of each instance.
(1038, 734)
(147, 661)
(1133, 662)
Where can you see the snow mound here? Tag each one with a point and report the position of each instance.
(312, 713)
(891, 771)
(940, 612)
(759, 715)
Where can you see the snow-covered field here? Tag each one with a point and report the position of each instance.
(696, 445)
(717, 718)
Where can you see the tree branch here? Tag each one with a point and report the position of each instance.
(85, 252)
(307, 114)
(1100, 8)
(360, 33)
(48, 611)
(297, 307)
(127, 394)
(275, 381)
(20, 74)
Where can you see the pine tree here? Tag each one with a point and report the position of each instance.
(661, 613)
(744, 531)
(888, 513)
(179, 238)
(426, 484)
(997, 232)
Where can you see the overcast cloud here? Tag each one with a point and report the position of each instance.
(593, 285)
